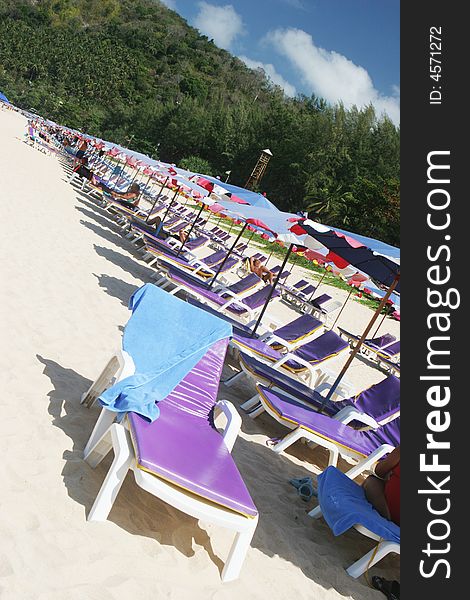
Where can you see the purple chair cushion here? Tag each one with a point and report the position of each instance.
(257, 346)
(215, 258)
(237, 327)
(173, 261)
(298, 329)
(183, 447)
(391, 350)
(362, 442)
(325, 346)
(259, 297)
(196, 242)
(382, 340)
(320, 300)
(300, 284)
(195, 286)
(381, 401)
(245, 284)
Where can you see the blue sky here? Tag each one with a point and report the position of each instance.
(346, 50)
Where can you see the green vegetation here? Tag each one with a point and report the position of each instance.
(134, 70)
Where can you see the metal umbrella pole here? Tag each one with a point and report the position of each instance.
(293, 262)
(271, 292)
(190, 230)
(221, 266)
(269, 257)
(380, 325)
(342, 308)
(363, 337)
(156, 199)
(319, 283)
(251, 237)
(147, 182)
(168, 209)
(135, 174)
(231, 226)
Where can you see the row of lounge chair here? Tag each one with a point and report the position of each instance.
(183, 458)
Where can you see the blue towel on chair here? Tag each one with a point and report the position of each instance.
(166, 338)
(344, 504)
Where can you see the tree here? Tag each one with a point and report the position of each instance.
(196, 164)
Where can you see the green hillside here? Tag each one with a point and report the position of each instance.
(134, 72)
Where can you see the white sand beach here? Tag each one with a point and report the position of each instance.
(67, 274)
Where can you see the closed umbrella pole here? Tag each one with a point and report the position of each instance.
(221, 266)
(319, 283)
(342, 308)
(147, 182)
(171, 204)
(293, 263)
(135, 174)
(156, 199)
(363, 337)
(379, 326)
(190, 230)
(271, 292)
(269, 258)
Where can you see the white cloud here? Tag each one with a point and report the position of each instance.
(271, 73)
(331, 75)
(221, 23)
(294, 4)
(169, 3)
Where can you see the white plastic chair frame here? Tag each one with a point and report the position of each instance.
(108, 435)
(335, 450)
(313, 376)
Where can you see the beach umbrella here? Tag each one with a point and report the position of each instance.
(242, 194)
(375, 258)
(378, 260)
(205, 183)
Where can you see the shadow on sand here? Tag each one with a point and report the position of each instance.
(116, 288)
(134, 510)
(265, 473)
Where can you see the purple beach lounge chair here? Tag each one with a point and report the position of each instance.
(238, 305)
(218, 291)
(365, 446)
(180, 455)
(389, 351)
(372, 407)
(182, 458)
(377, 342)
(305, 361)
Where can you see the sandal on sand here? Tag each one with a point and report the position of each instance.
(298, 482)
(391, 589)
(307, 491)
(304, 487)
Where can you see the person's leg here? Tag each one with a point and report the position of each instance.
(375, 494)
(125, 203)
(155, 221)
